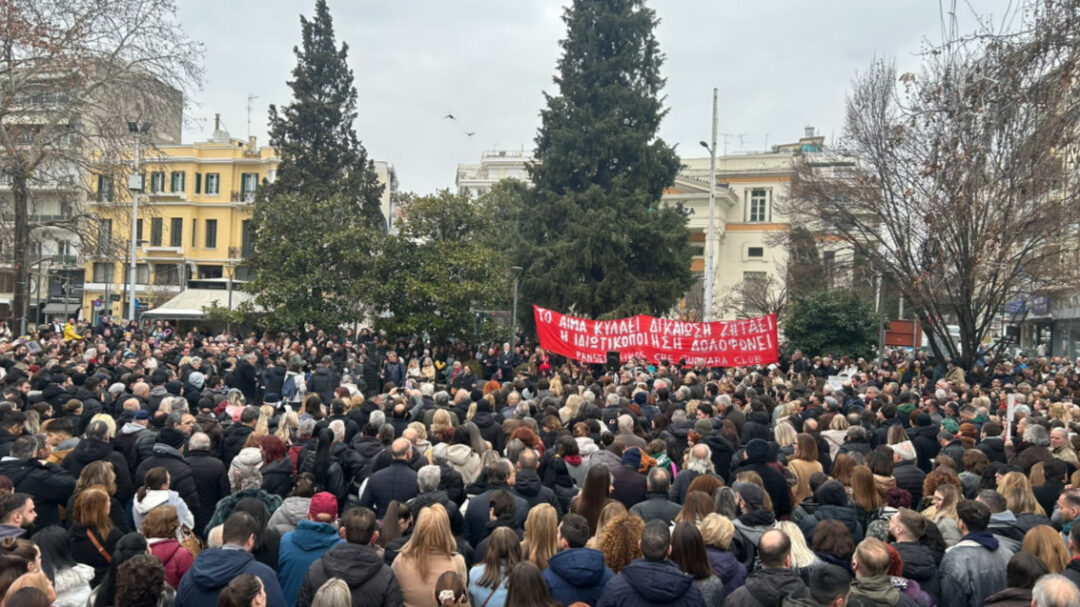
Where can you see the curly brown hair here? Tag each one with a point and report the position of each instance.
(833, 538)
(620, 541)
(140, 581)
(940, 476)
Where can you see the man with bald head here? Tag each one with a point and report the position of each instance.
(394, 482)
(775, 581)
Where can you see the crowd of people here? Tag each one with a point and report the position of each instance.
(146, 467)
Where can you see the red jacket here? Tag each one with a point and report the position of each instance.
(176, 558)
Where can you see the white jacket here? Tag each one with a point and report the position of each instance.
(159, 497)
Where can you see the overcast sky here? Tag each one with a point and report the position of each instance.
(779, 65)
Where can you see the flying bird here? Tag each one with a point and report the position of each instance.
(470, 134)
(450, 116)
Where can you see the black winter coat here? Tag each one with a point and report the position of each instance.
(371, 582)
(527, 485)
(758, 425)
(722, 451)
(181, 478)
(92, 450)
(322, 382)
(775, 485)
(920, 566)
(844, 514)
(211, 483)
(278, 477)
(235, 437)
(994, 448)
(910, 477)
(243, 379)
(926, 445)
(395, 482)
(630, 486)
(49, 484)
(83, 551)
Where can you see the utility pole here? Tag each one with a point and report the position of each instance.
(513, 317)
(710, 233)
(136, 187)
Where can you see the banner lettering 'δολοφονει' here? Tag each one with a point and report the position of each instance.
(726, 343)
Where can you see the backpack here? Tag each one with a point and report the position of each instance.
(288, 389)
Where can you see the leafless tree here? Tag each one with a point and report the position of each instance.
(73, 75)
(964, 192)
(757, 297)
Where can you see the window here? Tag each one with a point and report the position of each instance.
(211, 233)
(138, 232)
(758, 205)
(104, 188)
(104, 243)
(194, 233)
(7, 282)
(167, 274)
(754, 276)
(142, 273)
(213, 183)
(244, 273)
(176, 181)
(828, 262)
(249, 182)
(756, 252)
(210, 272)
(155, 231)
(247, 238)
(103, 272)
(157, 182)
(198, 183)
(176, 232)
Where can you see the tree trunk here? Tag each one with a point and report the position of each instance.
(20, 195)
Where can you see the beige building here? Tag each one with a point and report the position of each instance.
(750, 217)
(388, 202)
(477, 178)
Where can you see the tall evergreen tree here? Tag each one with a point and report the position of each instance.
(319, 222)
(597, 241)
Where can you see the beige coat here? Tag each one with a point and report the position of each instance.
(803, 470)
(418, 591)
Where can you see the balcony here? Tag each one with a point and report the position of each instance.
(242, 197)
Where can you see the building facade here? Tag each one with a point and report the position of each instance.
(477, 178)
(194, 223)
(388, 202)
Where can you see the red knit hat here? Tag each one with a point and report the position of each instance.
(322, 503)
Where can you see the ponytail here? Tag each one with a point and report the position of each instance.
(241, 591)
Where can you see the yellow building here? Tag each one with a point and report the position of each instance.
(194, 223)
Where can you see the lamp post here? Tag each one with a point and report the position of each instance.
(135, 186)
(710, 231)
(513, 314)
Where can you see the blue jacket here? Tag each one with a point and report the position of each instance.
(214, 569)
(394, 482)
(577, 574)
(299, 549)
(648, 584)
(478, 595)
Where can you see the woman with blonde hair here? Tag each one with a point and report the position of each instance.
(785, 437)
(943, 513)
(334, 593)
(718, 531)
(570, 409)
(802, 557)
(288, 424)
(804, 464)
(608, 513)
(541, 535)
(430, 551)
(621, 541)
(1021, 501)
(1045, 543)
(487, 580)
(442, 428)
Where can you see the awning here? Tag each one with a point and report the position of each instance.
(189, 303)
(59, 308)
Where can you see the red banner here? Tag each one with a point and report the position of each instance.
(732, 343)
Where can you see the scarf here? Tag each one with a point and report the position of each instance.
(878, 589)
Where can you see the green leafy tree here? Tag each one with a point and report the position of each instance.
(805, 271)
(836, 322)
(318, 225)
(595, 240)
(438, 270)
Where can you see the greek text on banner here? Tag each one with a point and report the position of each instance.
(732, 343)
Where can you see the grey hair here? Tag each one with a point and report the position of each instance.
(427, 389)
(442, 398)
(306, 429)
(377, 418)
(678, 416)
(514, 449)
(626, 423)
(199, 441)
(702, 464)
(338, 428)
(1055, 590)
(427, 479)
(723, 399)
(1036, 435)
(589, 396)
(612, 400)
(439, 454)
(684, 392)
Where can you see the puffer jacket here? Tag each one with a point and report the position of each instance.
(644, 583)
(289, 514)
(768, 588)
(463, 459)
(176, 558)
(728, 568)
(158, 497)
(577, 574)
(920, 566)
(973, 570)
(843, 514)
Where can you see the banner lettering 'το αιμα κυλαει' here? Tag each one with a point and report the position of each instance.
(726, 343)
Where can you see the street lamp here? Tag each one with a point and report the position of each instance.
(513, 318)
(135, 186)
(710, 232)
